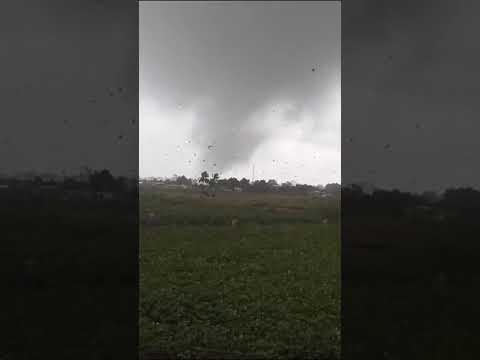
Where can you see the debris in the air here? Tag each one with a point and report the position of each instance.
(210, 147)
(313, 69)
(120, 89)
(214, 164)
(110, 92)
(417, 126)
(387, 146)
(120, 137)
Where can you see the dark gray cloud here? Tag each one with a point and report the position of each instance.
(59, 64)
(236, 62)
(409, 79)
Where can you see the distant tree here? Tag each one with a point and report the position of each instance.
(223, 183)
(332, 188)
(430, 197)
(244, 183)
(272, 183)
(302, 188)
(233, 183)
(204, 178)
(122, 184)
(214, 179)
(260, 186)
(286, 187)
(102, 181)
(210, 181)
(183, 180)
(461, 199)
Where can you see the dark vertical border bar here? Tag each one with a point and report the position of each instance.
(69, 179)
(410, 182)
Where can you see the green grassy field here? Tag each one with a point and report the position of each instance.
(267, 287)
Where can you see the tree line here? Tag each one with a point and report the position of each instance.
(96, 181)
(461, 203)
(214, 182)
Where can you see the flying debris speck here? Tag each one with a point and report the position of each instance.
(417, 126)
(214, 164)
(120, 137)
(313, 70)
(203, 160)
(120, 89)
(210, 147)
(110, 92)
(387, 146)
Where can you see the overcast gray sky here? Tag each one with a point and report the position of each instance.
(62, 68)
(225, 86)
(410, 85)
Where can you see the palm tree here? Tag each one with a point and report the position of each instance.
(204, 179)
(214, 179)
(213, 184)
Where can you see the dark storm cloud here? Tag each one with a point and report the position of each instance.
(242, 59)
(60, 61)
(410, 81)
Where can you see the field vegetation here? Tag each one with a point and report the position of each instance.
(239, 275)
